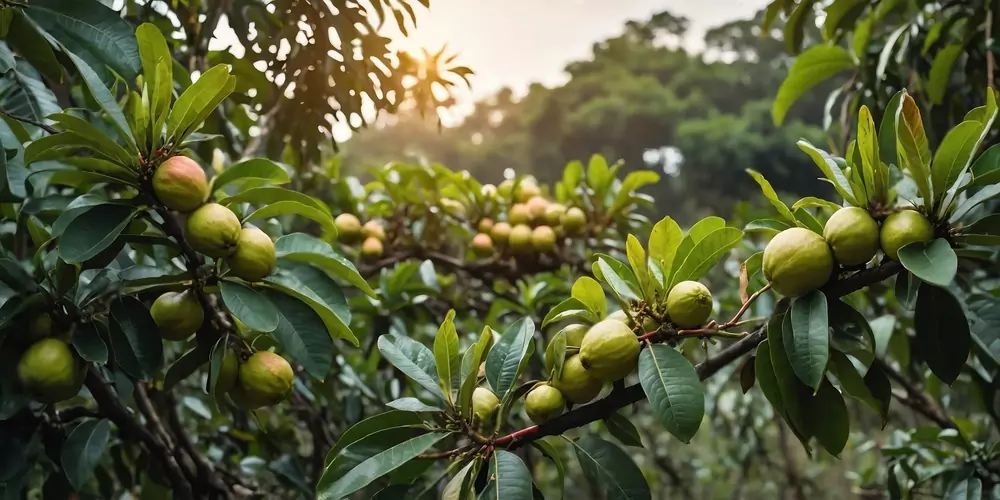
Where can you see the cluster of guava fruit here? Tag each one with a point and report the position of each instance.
(371, 235)
(798, 261)
(531, 224)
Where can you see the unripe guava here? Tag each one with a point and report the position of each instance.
(49, 372)
(543, 239)
(520, 239)
(489, 191)
(797, 261)
(575, 333)
(610, 350)
(371, 249)
(41, 326)
(506, 188)
(484, 407)
(574, 221)
(901, 229)
(180, 184)
(254, 258)
(229, 372)
(373, 229)
(482, 245)
(485, 225)
(527, 190)
(519, 214)
(576, 383)
(621, 316)
(500, 233)
(213, 230)
(348, 228)
(544, 403)
(853, 236)
(536, 207)
(452, 207)
(265, 379)
(178, 315)
(689, 304)
(554, 214)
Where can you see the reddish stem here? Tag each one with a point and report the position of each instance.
(510, 438)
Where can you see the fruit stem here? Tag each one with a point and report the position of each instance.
(743, 309)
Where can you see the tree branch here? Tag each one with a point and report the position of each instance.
(29, 121)
(916, 399)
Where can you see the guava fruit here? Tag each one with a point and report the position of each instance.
(576, 383)
(49, 372)
(180, 184)
(506, 188)
(536, 207)
(371, 249)
(484, 407)
(554, 214)
(574, 221)
(527, 190)
(853, 236)
(609, 350)
(348, 228)
(575, 333)
(621, 316)
(482, 245)
(265, 379)
(41, 326)
(689, 304)
(519, 214)
(373, 229)
(178, 315)
(520, 239)
(544, 403)
(485, 225)
(543, 239)
(797, 261)
(500, 233)
(229, 372)
(213, 230)
(901, 229)
(254, 258)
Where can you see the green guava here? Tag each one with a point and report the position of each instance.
(527, 190)
(543, 239)
(49, 371)
(482, 245)
(484, 407)
(371, 249)
(544, 403)
(213, 230)
(506, 188)
(689, 304)
(373, 229)
(485, 225)
(536, 207)
(554, 214)
(901, 229)
(574, 334)
(609, 350)
(500, 233)
(520, 239)
(265, 379)
(254, 258)
(574, 221)
(180, 184)
(519, 214)
(797, 261)
(621, 316)
(178, 315)
(576, 383)
(348, 228)
(853, 236)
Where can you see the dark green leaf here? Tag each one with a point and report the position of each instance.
(619, 277)
(446, 354)
(104, 99)
(986, 169)
(302, 247)
(940, 73)
(295, 208)
(808, 345)
(273, 194)
(509, 478)
(137, 348)
(197, 101)
(318, 291)
(411, 404)
(249, 306)
(612, 467)
(852, 334)
(30, 44)
(887, 131)
(881, 389)
(89, 344)
(964, 486)
(503, 364)
(83, 450)
(818, 63)
(377, 466)
(413, 359)
(772, 196)
(674, 390)
(827, 418)
(623, 430)
(974, 201)
(94, 230)
(934, 262)
(185, 365)
(793, 391)
(302, 333)
(14, 276)
(943, 340)
(370, 425)
(906, 287)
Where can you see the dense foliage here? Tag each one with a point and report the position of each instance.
(198, 301)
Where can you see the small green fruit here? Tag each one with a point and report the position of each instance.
(500, 233)
(373, 229)
(506, 188)
(853, 235)
(254, 258)
(49, 372)
(536, 207)
(574, 221)
(544, 403)
(575, 333)
(180, 184)
(527, 190)
(519, 214)
(265, 379)
(482, 245)
(371, 249)
(797, 261)
(554, 214)
(621, 316)
(348, 228)
(901, 229)
(543, 239)
(214, 230)
(610, 350)
(689, 304)
(520, 239)
(576, 382)
(178, 315)
(484, 407)
(485, 225)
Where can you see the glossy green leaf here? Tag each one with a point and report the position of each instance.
(104, 99)
(377, 466)
(302, 247)
(370, 425)
(411, 404)
(295, 208)
(808, 345)
(302, 333)
(769, 227)
(905, 290)
(478, 352)
(852, 383)
(589, 293)
(198, 100)
(637, 259)
(185, 366)
(772, 196)
(964, 487)
(674, 390)
(248, 305)
(954, 155)
(259, 169)
(93, 231)
(138, 350)
(815, 65)
(555, 354)
(852, 334)
(827, 418)
(611, 467)
(941, 70)
(632, 182)
(943, 340)
(266, 195)
(792, 390)
(912, 146)
(974, 201)
(831, 170)
(933, 262)
(24, 36)
(619, 277)
(509, 478)
(623, 430)
(986, 169)
(569, 308)
(413, 359)
(503, 364)
(887, 131)
(157, 68)
(705, 254)
(83, 449)
(664, 239)
(88, 343)
(840, 12)
(446, 354)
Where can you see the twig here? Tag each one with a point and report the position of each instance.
(27, 120)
